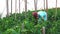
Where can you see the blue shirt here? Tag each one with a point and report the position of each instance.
(42, 14)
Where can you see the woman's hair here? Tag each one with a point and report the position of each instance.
(35, 14)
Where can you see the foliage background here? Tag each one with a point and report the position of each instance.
(22, 25)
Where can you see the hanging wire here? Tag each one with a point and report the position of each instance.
(2, 12)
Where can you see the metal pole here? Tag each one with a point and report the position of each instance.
(7, 7)
(46, 5)
(11, 6)
(15, 8)
(25, 7)
(56, 10)
(35, 5)
(43, 30)
(19, 6)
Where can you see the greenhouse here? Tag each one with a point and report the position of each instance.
(29, 16)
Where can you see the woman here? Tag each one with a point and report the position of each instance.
(41, 15)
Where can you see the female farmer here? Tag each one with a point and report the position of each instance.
(41, 15)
